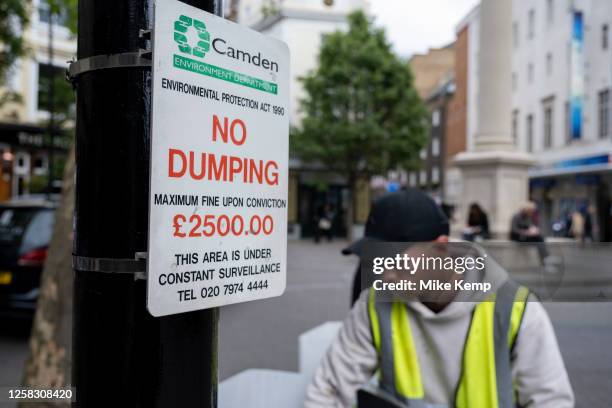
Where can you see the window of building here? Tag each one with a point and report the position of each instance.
(530, 73)
(435, 118)
(530, 133)
(515, 118)
(514, 81)
(549, 64)
(435, 147)
(423, 178)
(412, 179)
(604, 114)
(38, 163)
(43, 14)
(435, 175)
(515, 34)
(531, 22)
(568, 135)
(605, 36)
(550, 12)
(548, 124)
(45, 73)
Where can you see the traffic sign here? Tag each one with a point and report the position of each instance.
(219, 162)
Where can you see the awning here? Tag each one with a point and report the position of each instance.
(591, 164)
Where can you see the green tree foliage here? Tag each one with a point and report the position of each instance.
(67, 8)
(64, 97)
(363, 115)
(14, 17)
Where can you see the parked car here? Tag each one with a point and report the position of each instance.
(25, 233)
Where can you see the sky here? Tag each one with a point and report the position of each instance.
(414, 26)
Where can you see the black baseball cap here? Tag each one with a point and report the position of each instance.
(404, 216)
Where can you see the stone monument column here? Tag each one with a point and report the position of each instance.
(494, 174)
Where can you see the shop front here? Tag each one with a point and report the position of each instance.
(582, 184)
(24, 159)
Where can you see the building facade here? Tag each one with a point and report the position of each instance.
(302, 24)
(434, 81)
(561, 82)
(24, 139)
(560, 93)
(457, 114)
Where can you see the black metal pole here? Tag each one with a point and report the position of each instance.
(122, 356)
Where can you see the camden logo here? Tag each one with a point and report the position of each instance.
(182, 27)
(202, 44)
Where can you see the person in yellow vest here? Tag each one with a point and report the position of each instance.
(499, 352)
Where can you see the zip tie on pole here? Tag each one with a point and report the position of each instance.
(136, 266)
(141, 58)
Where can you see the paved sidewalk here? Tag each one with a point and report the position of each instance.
(263, 334)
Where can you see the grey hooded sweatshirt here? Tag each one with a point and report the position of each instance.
(350, 362)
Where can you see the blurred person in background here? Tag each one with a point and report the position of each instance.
(477, 227)
(577, 226)
(524, 229)
(495, 352)
(324, 222)
(589, 211)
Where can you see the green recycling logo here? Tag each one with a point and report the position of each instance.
(181, 27)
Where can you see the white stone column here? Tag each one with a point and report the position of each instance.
(494, 175)
(495, 77)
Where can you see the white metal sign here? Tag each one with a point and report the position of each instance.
(219, 162)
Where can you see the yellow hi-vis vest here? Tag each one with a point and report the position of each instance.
(486, 375)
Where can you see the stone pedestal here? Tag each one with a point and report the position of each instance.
(498, 182)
